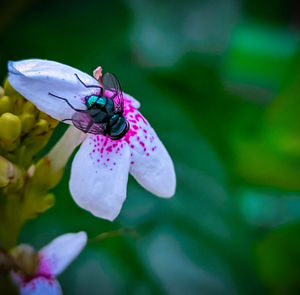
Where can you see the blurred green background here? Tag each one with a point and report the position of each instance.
(219, 80)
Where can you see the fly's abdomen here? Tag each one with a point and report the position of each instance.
(119, 127)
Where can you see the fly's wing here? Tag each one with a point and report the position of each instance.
(84, 122)
(36, 78)
(111, 83)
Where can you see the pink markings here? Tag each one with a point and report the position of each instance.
(138, 138)
(45, 266)
(139, 116)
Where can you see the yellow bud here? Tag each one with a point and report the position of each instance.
(27, 259)
(1, 91)
(28, 122)
(41, 127)
(18, 104)
(5, 104)
(4, 180)
(47, 202)
(10, 145)
(44, 177)
(29, 108)
(8, 88)
(10, 126)
(52, 122)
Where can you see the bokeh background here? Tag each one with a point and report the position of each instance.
(219, 80)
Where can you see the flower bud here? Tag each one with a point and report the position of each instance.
(1, 91)
(52, 122)
(26, 258)
(4, 180)
(29, 108)
(42, 126)
(8, 90)
(5, 104)
(10, 127)
(28, 122)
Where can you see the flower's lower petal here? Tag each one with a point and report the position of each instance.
(57, 255)
(99, 176)
(41, 286)
(151, 164)
(36, 78)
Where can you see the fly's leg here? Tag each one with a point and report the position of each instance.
(87, 86)
(62, 98)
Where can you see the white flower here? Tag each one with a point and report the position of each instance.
(100, 168)
(53, 259)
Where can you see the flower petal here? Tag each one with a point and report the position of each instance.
(41, 286)
(99, 176)
(129, 99)
(57, 255)
(36, 78)
(151, 164)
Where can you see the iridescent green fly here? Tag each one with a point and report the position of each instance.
(104, 112)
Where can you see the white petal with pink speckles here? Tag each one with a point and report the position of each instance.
(35, 78)
(99, 176)
(135, 103)
(57, 255)
(151, 164)
(41, 286)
